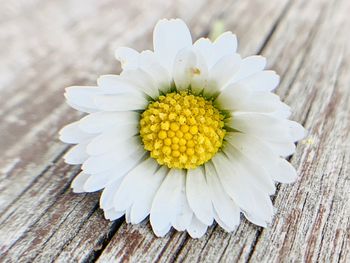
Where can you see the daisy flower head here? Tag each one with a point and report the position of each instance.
(187, 134)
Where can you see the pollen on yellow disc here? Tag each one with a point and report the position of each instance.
(182, 130)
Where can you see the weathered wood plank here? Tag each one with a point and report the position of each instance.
(42, 220)
(268, 244)
(315, 221)
(22, 109)
(17, 220)
(31, 152)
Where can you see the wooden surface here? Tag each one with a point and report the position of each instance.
(46, 45)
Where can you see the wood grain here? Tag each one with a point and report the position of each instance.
(48, 45)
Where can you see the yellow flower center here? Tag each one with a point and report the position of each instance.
(181, 130)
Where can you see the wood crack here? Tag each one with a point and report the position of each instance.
(66, 187)
(330, 210)
(79, 228)
(177, 252)
(224, 251)
(64, 219)
(254, 243)
(269, 35)
(43, 172)
(343, 247)
(104, 241)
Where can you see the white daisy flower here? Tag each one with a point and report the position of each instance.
(186, 134)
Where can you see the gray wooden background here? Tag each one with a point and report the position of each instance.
(46, 45)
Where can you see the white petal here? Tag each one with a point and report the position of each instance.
(77, 154)
(249, 198)
(205, 47)
(241, 98)
(79, 181)
(224, 45)
(190, 70)
(100, 163)
(82, 109)
(146, 62)
(264, 208)
(100, 121)
(249, 66)
(262, 126)
(197, 195)
(71, 133)
(112, 214)
(144, 189)
(259, 152)
(100, 180)
(109, 142)
(184, 215)
(233, 97)
(283, 149)
(236, 187)
(251, 169)
(255, 219)
(284, 112)
(116, 137)
(142, 80)
(200, 77)
(120, 102)
(227, 211)
(116, 84)
(285, 173)
(166, 200)
(169, 37)
(196, 229)
(239, 188)
(250, 146)
(127, 57)
(266, 80)
(161, 232)
(107, 196)
(147, 74)
(132, 184)
(184, 68)
(297, 131)
(149, 63)
(223, 225)
(82, 96)
(223, 71)
(265, 102)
